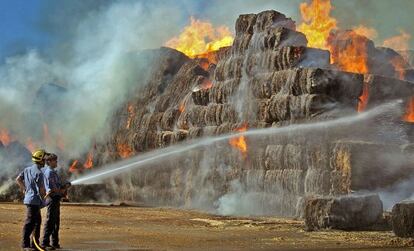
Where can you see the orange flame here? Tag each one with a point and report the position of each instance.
(399, 67)
(30, 145)
(5, 137)
(365, 31)
(181, 108)
(206, 84)
(317, 23)
(131, 114)
(73, 167)
(124, 150)
(409, 113)
(349, 51)
(363, 99)
(200, 37)
(89, 161)
(60, 143)
(240, 142)
(205, 64)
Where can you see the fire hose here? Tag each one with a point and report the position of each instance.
(37, 245)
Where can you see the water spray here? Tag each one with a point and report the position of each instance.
(174, 150)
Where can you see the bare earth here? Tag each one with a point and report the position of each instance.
(95, 227)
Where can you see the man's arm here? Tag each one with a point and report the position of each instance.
(20, 182)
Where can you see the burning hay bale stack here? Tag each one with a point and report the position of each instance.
(267, 78)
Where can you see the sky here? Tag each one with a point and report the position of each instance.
(18, 29)
(28, 24)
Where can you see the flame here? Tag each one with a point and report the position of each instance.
(318, 23)
(124, 150)
(349, 51)
(89, 161)
(30, 145)
(205, 64)
(60, 143)
(5, 137)
(363, 99)
(200, 37)
(131, 114)
(206, 84)
(73, 167)
(240, 142)
(409, 113)
(46, 136)
(365, 31)
(399, 66)
(181, 108)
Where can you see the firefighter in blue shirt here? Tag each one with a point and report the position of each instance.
(54, 193)
(30, 181)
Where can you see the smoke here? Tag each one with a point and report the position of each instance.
(75, 87)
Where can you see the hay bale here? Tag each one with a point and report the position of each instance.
(346, 212)
(201, 97)
(403, 219)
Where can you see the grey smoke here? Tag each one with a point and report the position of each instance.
(97, 65)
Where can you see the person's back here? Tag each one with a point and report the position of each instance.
(30, 181)
(33, 180)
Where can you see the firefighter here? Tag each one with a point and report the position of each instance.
(30, 181)
(55, 190)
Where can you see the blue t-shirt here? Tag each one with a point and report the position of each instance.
(51, 180)
(33, 181)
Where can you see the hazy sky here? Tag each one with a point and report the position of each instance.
(27, 24)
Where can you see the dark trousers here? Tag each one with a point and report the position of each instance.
(52, 223)
(31, 226)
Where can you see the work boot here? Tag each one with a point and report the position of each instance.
(57, 246)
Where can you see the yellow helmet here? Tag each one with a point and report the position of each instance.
(38, 155)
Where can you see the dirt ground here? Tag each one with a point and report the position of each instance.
(104, 227)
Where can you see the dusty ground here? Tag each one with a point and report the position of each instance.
(94, 227)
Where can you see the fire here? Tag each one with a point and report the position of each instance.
(207, 84)
(240, 142)
(181, 108)
(205, 64)
(30, 145)
(363, 99)
(318, 23)
(200, 38)
(5, 137)
(59, 141)
(131, 114)
(349, 51)
(89, 161)
(399, 65)
(409, 113)
(124, 150)
(73, 167)
(365, 31)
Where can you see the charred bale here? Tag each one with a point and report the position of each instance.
(403, 219)
(345, 213)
